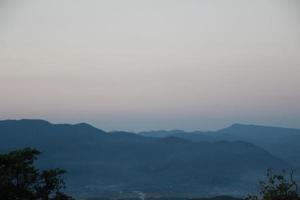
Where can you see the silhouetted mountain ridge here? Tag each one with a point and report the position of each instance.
(99, 161)
(282, 142)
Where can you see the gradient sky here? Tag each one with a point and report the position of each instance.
(155, 64)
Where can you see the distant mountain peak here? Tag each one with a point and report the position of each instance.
(84, 125)
(46, 124)
(249, 126)
(27, 121)
(252, 127)
(236, 125)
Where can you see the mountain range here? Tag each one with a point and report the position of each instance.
(281, 142)
(229, 161)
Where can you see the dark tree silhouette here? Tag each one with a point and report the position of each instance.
(277, 187)
(21, 180)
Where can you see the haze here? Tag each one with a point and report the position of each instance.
(156, 64)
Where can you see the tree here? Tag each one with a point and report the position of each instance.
(277, 187)
(21, 180)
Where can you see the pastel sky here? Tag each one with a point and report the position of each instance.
(151, 64)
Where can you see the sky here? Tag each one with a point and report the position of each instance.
(151, 64)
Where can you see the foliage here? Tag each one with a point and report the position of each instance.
(277, 187)
(21, 180)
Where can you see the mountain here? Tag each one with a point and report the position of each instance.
(196, 136)
(161, 133)
(282, 142)
(100, 162)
